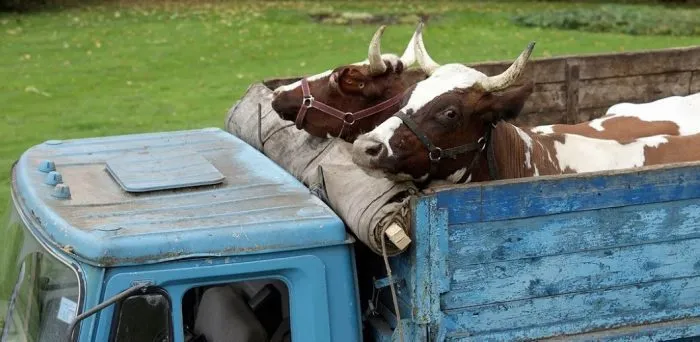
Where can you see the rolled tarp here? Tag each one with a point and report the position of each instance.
(368, 205)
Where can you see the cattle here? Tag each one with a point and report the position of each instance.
(674, 115)
(453, 127)
(350, 99)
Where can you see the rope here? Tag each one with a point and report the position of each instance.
(393, 290)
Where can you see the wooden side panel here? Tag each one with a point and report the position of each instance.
(570, 273)
(580, 312)
(609, 91)
(695, 82)
(601, 81)
(530, 197)
(639, 63)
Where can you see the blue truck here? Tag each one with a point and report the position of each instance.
(159, 236)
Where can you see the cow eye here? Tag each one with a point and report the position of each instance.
(451, 114)
(361, 85)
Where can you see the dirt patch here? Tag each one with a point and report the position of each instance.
(365, 18)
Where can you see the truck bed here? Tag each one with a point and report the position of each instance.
(609, 256)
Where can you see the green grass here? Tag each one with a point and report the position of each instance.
(107, 70)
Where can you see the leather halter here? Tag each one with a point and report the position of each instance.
(348, 118)
(435, 154)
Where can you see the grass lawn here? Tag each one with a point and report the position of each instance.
(106, 70)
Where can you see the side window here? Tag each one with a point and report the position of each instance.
(143, 317)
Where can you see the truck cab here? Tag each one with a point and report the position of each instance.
(177, 236)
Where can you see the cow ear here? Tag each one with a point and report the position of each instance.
(505, 105)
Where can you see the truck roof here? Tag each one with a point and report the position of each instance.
(147, 198)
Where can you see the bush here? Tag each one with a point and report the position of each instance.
(633, 20)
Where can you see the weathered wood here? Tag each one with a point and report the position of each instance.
(548, 195)
(537, 237)
(663, 331)
(695, 82)
(572, 106)
(579, 312)
(595, 66)
(639, 63)
(608, 91)
(546, 98)
(506, 281)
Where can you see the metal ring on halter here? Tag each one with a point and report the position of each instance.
(435, 154)
(349, 119)
(480, 141)
(308, 101)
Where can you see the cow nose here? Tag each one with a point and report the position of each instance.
(366, 151)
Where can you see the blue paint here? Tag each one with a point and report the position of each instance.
(550, 195)
(259, 208)
(259, 222)
(608, 256)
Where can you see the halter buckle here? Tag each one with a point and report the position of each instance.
(308, 101)
(349, 119)
(435, 154)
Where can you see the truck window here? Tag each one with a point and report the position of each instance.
(38, 292)
(143, 317)
(254, 311)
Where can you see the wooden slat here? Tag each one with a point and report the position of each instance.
(546, 98)
(695, 82)
(639, 63)
(668, 331)
(606, 65)
(537, 237)
(572, 89)
(609, 91)
(581, 312)
(546, 195)
(506, 281)
(587, 114)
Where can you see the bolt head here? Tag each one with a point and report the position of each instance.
(61, 191)
(53, 178)
(47, 166)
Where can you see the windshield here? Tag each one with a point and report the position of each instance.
(38, 293)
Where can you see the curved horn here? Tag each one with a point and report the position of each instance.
(409, 55)
(426, 63)
(376, 63)
(508, 77)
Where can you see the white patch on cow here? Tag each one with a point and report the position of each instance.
(384, 132)
(296, 84)
(583, 154)
(537, 172)
(446, 78)
(544, 129)
(528, 143)
(457, 175)
(684, 111)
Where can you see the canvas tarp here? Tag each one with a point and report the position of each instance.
(367, 205)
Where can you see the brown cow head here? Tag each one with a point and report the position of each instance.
(350, 89)
(450, 110)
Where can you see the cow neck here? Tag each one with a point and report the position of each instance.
(348, 118)
(516, 158)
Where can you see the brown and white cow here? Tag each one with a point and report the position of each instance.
(352, 99)
(451, 128)
(673, 115)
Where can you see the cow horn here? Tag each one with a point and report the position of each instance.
(376, 63)
(409, 55)
(508, 77)
(426, 63)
